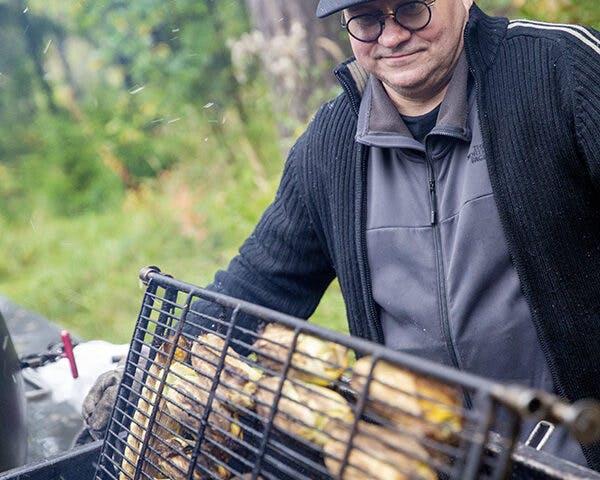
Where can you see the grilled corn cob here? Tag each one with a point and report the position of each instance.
(420, 404)
(187, 395)
(174, 458)
(237, 382)
(314, 360)
(147, 402)
(376, 453)
(304, 410)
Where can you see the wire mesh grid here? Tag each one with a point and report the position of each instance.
(217, 388)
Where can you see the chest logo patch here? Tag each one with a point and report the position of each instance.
(476, 154)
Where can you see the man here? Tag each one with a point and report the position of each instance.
(454, 190)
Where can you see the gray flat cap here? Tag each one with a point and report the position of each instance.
(327, 7)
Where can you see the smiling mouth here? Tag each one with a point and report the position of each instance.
(398, 56)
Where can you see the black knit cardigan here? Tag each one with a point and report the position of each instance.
(538, 97)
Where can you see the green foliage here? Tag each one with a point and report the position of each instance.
(155, 156)
(16, 85)
(70, 173)
(585, 12)
(81, 271)
(126, 141)
(497, 7)
(177, 48)
(60, 167)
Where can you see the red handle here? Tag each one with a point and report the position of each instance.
(68, 348)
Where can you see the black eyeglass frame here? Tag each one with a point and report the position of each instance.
(382, 18)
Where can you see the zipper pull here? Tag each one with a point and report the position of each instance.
(433, 218)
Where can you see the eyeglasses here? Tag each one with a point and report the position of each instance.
(368, 27)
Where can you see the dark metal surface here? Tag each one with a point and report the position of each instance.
(77, 464)
(51, 425)
(145, 430)
(531, 464)
(13, 430)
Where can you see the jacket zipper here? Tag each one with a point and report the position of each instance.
(439, 264)
(354, 102)
(365, 272)
(373, 320)
(440, 273)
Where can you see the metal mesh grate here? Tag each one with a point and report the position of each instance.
(218, 388)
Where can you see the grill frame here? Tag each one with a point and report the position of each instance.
(489, 399)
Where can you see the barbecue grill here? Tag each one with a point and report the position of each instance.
(215, 388)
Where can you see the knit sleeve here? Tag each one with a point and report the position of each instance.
(282, 265)
(586, 77)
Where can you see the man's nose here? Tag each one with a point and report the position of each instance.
(393, 33)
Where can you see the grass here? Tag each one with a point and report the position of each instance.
(81, 272)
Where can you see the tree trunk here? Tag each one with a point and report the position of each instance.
(274, 17)
(316, 49)
(33, 39)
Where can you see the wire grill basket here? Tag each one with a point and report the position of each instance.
(217, 388)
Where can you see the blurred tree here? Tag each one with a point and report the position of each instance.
(586, 12)
(297, 51)
(150, 63)
(34, 158)
(498, 7)
(22, 37)
(168, 61)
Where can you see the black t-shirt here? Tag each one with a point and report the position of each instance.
(421, 125)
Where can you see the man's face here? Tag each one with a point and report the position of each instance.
(413, 65)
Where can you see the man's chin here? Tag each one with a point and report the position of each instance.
(405, 83)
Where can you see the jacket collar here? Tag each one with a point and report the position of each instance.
(483, 36)
(380, 124)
